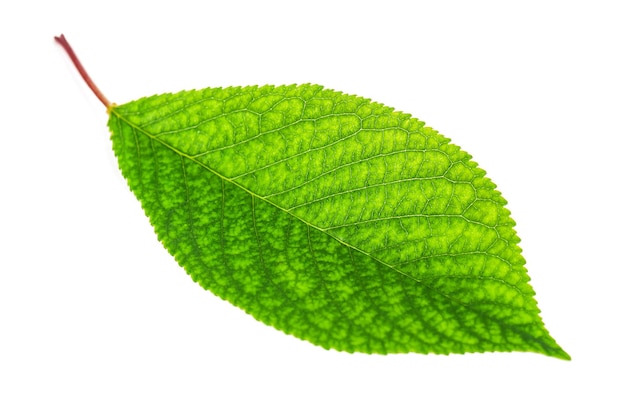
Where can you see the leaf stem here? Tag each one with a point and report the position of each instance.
(83, 73)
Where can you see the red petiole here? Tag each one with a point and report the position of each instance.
(83, 73)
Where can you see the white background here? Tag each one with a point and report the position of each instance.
(97, 319)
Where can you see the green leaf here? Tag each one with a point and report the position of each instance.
(332, 218)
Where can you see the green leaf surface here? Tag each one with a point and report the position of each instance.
(332, 218)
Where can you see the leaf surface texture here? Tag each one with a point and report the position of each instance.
(332, 218)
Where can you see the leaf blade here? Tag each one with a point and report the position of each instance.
(398, 222)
